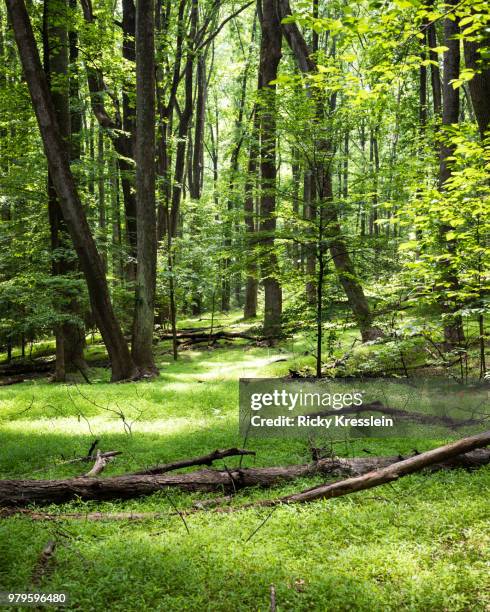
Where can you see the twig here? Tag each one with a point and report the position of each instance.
(202, 460)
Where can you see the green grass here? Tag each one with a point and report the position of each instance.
(421, 544)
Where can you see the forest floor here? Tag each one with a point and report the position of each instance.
(420, 544)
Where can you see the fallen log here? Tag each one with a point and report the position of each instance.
(202, 460)
(27, 367)
(199, 336)
(14, 380)
(388, 474)
(24, 492)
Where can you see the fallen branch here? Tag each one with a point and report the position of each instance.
(24, 492)
(91, 457)
(101, 460)
(384, 475)
(200, 336)
(203, 460)
(82, 516)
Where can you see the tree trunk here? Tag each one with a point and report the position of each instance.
(183, 132)
(435, 73)
(453, 329)
(142, 344)
(480, 83)
(270, 55)
(58, 161)
(310, 215)
(73, 333)
(101, 198)
(125, 144)
(195, 186)
(70, 337)
(19, 493)
(252, 283)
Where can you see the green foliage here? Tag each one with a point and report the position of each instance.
(419, 544)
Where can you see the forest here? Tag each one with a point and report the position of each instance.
(199, 193)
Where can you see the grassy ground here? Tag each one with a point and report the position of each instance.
(421, 544)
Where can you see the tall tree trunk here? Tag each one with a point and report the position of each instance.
(184, 123)
(125, 145)
(423, 78)
(453, 328)
(142, 345)
(310, 215)
(116, 251)
(270, 55)
(166, 111)
(195, 186)
(435, 73)
(338, 246)
(70, 336)
(73, 333)
(101, 198)
(252, 283)
(480, 84)
(58, 161)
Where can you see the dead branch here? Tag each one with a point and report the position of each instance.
(390, 473)
(203, 460)
(101, 460)
(199, 336)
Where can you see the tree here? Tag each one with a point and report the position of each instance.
(453, 328)
(323, 180)
(142, 344)
(71, 207)
(70, 335)
(270, 55)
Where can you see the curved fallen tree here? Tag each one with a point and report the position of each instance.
(363, 473)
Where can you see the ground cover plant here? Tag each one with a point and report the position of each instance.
(194, 192)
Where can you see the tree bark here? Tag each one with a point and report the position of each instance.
(435, 73)
(453, 329)
(436, 457)
(69, 336)
(144, 312)
(74, 333)
(58, 161)
(197, 174)
(126, 145)
(270, 56)
(480, 83)
(183, 132)
(19, 493)
(252, 283)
